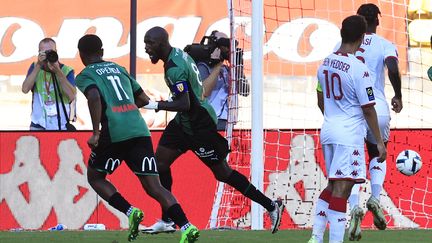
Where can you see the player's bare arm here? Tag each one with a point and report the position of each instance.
(180, 103)
(395, 80)
(142, 99)
(210, 82)
(95, 107)
(31, 78)
(370, 116)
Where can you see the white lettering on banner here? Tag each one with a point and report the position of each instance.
(283, 42)
(184, 32)
(43, 194)
(150, 162)
(109, 29)
(223, 25)
(303, 168)
(25, 39)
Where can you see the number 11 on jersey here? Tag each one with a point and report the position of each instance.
(115, 81)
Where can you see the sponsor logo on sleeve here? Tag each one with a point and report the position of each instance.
(370, 93)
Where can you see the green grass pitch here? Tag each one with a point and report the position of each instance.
(285, 236)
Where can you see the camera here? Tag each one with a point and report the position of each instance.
(51, 56)
(201, 52)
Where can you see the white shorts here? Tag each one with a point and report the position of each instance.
(384, 126)
(345, 162)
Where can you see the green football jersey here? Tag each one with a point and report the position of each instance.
(181, 74)
(121, 119)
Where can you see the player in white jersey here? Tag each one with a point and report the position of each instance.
(376, 52)
(347, 102)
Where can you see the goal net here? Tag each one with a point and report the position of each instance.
(297, 36)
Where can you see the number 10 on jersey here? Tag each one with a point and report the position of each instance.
(330, 83)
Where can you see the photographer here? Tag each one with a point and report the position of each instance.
(215, 74)
(53, 88)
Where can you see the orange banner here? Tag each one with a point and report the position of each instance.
(297, 35)
(67, 21)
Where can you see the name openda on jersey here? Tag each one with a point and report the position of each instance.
(106, 69)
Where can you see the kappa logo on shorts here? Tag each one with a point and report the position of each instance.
(113, 163)
(355, 163)
(354, 173)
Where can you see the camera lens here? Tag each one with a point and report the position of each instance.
(51, 56)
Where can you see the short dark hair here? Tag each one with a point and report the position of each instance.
(47, 39)
(90, 44)
(370, 12)
(353, 27)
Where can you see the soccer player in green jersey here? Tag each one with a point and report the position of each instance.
(193, 128)
(113, 100)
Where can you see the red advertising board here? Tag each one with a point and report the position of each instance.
(43, 182)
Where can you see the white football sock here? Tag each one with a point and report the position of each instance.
(337, 222)
(377, 173)
(354, 197)
(337, 218)
(320, 220)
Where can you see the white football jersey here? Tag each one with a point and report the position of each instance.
(373, 52)
(346, 87)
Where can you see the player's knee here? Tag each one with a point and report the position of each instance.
(372, 150)
(342, 189)
(221, 171)
(93, 176)
(222, 177)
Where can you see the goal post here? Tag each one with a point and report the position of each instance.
(280, 115)
(257, 156)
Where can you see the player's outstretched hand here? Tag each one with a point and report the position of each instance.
(396, 104)
(382, 152)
